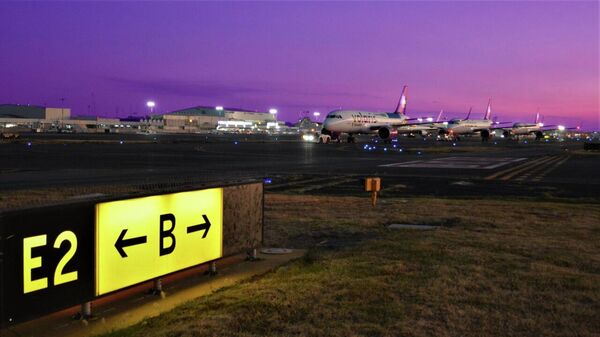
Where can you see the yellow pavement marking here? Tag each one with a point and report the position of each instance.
(538, 169)
(514, 173)
(550, 169)
(516, 168)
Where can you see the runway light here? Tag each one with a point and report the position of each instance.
(385, 149)
(400, 150)
(28, 143)
(121, 142)
(419, 152)
(235, 143)
(453, 144)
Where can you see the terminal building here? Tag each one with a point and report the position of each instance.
(16, 111)
(204, 119)
(198, 119)
(32, 117)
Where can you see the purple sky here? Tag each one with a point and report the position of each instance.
(306, 56)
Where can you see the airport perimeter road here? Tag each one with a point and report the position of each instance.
(411, 165)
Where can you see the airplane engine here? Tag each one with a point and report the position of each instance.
(386, 133)
(539, 135)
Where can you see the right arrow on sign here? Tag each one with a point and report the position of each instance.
(122, 242)
(205, 226)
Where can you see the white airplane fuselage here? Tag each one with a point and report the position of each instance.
(361, 122)
(520, 129)
(468, 126)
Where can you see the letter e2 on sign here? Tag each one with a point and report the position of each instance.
(47, 260)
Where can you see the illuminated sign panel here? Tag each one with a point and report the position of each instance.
(46, 260)
(145, 238)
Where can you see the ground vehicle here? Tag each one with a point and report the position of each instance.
(5, 135)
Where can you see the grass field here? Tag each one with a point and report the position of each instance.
(493, 268)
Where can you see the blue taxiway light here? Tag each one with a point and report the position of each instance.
(267, 180)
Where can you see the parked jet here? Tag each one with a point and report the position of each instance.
(459, 127)
(536, 128)
(425, 129)
(386, 125)
(523, 129)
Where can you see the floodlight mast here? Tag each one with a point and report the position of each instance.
(151, 105)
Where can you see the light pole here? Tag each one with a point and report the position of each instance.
(273, 112)
(62, 112)
(151, 105)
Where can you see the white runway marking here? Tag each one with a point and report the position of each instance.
(481, 163)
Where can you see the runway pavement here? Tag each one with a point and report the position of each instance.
(412, 166)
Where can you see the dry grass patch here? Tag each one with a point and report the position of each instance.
(493, 268)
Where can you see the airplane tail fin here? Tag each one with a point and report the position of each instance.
(401, 107)
(469, 114)
(488, 111)
(439, 117)
(537, 116)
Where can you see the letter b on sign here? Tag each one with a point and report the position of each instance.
(167, 233)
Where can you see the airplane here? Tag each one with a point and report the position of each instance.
(537, 128)
(424, 129)
(458, 127)
(386, 125)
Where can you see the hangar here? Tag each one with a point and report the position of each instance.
(33, 112)
(204, 118)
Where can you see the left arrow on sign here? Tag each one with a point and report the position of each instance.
(122, 242)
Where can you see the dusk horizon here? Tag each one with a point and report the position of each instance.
(108, 59)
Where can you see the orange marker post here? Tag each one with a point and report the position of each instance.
(373, 185)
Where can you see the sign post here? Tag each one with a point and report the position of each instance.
(373, 185)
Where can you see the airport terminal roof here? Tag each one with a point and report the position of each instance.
(204, 111)
(21, 111)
